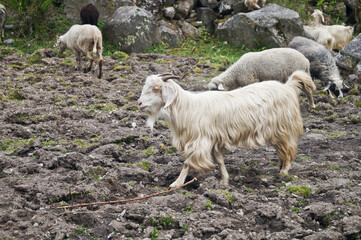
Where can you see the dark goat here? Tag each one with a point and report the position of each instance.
(89, 15)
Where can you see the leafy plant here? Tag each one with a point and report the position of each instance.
(31, 16)
(154, 234)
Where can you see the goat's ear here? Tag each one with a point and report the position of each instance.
(168, 94)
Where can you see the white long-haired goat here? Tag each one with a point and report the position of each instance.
(205, 125)
(333, 36)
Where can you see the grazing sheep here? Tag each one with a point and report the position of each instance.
(89, 15)
(323, 65)
(276, 63)
(253, 4)
(205, 125)
(83, 39)
(2, 21)
(341, 35)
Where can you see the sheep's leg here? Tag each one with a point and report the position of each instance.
(100, 65)
(286, 153)
(91, 60)
(182, 177)
(78, 60)
(222, 168)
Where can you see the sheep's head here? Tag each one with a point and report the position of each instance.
(337, 88)
(157, 93)
(60, 43)
(216, 84)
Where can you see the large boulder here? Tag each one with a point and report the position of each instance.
(106, 8)
(271, 26)
(132, 29)
(349, 59)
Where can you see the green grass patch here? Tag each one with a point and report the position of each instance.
(302, 190)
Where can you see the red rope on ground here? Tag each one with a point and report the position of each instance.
(126, 200)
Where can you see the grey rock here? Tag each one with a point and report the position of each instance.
(240, 7)
(272, 26)
(132, 29)
(9, 41)
(350, 55)
(209, 3)
(226, 6)
(169, 12)
(153, 6)
(171, 37)
(183, 8)
(189, 30)
(351, 225)
(207, 16)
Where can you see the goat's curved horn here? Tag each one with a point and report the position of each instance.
(169, 76)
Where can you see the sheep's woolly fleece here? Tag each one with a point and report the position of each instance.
(67, 137)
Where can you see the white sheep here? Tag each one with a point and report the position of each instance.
(2, 21)
(275, 63)
(205, 125)
(323, 65)
(341, 35)
(253, 4)
(83, 39)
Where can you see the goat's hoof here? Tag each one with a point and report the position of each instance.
(86, 70)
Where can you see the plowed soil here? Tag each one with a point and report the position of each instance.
(67, 137)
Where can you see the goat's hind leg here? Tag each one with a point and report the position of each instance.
(286, 153)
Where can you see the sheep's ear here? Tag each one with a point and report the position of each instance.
(323, 19)
(220, 87)
(168, 94)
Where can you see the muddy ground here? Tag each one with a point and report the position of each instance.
(67, 137)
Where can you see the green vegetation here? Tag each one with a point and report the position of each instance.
(334, 167)
(336, 134)
(209, 205)
(302, 190)
(217, 52)
(154, 234)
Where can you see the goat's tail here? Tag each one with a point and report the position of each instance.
(301, 80)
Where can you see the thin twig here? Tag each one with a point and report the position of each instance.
(125, 200)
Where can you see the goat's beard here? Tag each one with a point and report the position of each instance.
(151, 120)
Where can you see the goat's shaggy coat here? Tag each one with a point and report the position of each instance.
(205, 125)
(2, 20)
(275, 63)
(83, 39)
(89, 15)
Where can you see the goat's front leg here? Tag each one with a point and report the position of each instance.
(182, 177)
